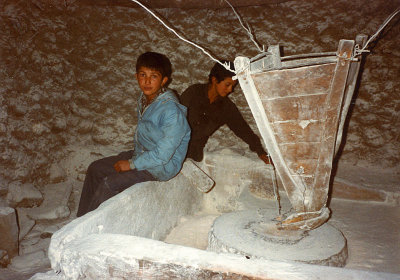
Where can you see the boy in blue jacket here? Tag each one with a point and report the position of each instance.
(160, 141)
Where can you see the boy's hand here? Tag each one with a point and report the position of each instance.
(122, 165)
(265, 158)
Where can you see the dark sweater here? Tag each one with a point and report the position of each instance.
(205, 118)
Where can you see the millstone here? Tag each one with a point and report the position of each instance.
(254, 234)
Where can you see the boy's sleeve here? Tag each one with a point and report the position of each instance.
(172, 130)
(240, 127)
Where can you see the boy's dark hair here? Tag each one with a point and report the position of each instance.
(220, 72)
(155, 61)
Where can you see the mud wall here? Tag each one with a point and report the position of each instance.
(67, 74)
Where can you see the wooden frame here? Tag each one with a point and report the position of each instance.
(300, 104)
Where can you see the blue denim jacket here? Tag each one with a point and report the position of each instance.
(161, 137)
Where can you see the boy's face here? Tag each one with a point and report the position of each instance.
(150, 81)
(225, 87)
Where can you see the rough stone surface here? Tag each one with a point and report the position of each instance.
(24, 195)
(58, 82)
(36, 259)
(57, 173)
(24, 222)
(244, 172)
(366, 184)
(192, 231)
(346, 190)
(55, 204)
(253, 234)
(114, 256)
(50, 275)
(3, 186)
(197, 177)
(154, 207)
(247, 200)
(3, 202)
(36, 240)
(8, 231)
(4, 259)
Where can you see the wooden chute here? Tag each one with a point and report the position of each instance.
(300, 104)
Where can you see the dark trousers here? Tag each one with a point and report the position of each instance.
(103, 182)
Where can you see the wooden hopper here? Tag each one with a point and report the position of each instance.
(300, 104)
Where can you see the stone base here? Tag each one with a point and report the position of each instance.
(254, 234)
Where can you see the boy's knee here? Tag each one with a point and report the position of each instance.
(104, 190)
(92, 168)
(95, 166)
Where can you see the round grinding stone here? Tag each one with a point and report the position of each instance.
(254, 234)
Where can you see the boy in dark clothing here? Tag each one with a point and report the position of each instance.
(209, 108)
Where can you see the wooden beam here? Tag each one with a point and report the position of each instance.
(186, 4)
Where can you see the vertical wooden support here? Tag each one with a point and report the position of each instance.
(349, 91)
(319, 194)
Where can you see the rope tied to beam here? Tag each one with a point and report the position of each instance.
(359, 51)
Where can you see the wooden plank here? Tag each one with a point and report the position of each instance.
(301, 157)
(303, 150)
(308, 62)
(294, 82)
(349, 91)
(257, 108)
(302, 108)
(157, 4)
(308, 165)
(319, 196)
(294, 131)
(270, 60)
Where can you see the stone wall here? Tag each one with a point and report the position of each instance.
(67, 75)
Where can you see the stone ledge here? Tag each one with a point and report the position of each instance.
(149, 209)
(113, 256)
(344, 189)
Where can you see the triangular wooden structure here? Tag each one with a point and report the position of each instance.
(300, 104)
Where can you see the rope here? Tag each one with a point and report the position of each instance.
(275, 186)
(358, 51)
(248, 29)
(225, 65)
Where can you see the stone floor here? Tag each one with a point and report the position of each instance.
(371, 230)
(369, 223)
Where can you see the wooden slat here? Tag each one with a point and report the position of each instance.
(309, 166)
(305, 108)
(294, 131)
(187, 4)
(349, 91)
(257, 108)
(294, 82)
(302, 150)
(301, 156)
(334, 100)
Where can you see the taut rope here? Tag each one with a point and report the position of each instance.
(248, 29)
(358, 51)
(226, 65)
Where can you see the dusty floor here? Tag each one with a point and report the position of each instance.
(371, 230)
